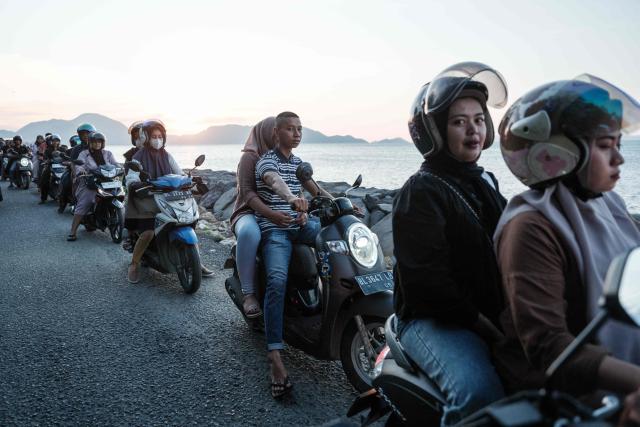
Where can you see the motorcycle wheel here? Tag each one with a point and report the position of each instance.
(189, 274)
(355, 363)
(25, 181)
(117, 229)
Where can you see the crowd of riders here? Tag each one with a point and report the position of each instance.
(488, 292)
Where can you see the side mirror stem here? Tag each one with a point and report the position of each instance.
(586, 333)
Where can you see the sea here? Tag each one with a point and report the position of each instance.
(388, 166)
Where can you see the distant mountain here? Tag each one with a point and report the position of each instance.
(115, 131)
(4, 134)
(392, 141)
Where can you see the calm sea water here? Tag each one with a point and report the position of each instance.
(388, 166)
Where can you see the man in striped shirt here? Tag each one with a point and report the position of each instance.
(277, 186)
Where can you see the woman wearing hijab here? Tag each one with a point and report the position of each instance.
(555, 241)
(92, 159)
(243, 220)
(447, 286)
(141, 211)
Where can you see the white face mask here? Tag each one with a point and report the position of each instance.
(156, 143)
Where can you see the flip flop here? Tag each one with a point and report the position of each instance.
(278, 390)
(72, 238)
(252, 311)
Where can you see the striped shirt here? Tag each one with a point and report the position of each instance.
(275, 161)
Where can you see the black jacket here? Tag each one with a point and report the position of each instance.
(445, 264)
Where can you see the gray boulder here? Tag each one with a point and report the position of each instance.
(219, 182)
(224, 201)
(360, 204)
(386, 207)
(376, 216)
(385, 234)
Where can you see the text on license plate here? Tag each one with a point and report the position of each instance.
(107, 185)
(375, 282)
(178, 195)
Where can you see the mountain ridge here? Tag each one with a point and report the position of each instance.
(116, 132)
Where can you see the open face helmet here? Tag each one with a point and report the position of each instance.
(74, 140)
(134, 131)
(545, 135)
(97, 137)
(147, 128)
(466, 79)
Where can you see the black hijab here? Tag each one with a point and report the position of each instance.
(154, 162)
(97, 156)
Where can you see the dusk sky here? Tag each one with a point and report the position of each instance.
(347, 67)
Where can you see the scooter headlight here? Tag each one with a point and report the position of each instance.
(362, 244)
(24, 162)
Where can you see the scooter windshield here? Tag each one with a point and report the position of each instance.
(171, 181)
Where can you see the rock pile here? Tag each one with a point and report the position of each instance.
(217, 205)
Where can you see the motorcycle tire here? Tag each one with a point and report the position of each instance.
(352, 353)
(117, 229)
(25, 181)
(189, 273)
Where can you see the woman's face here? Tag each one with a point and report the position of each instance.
(603, 169)
(96, 145)
(466, 129)
(156, 133)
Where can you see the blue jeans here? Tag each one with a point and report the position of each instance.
(458, 361)
(276, 253)
(248, 239)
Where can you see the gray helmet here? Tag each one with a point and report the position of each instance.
(471, 79)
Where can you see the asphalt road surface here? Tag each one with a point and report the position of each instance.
(79, 345)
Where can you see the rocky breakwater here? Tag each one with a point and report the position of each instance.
(217, 205)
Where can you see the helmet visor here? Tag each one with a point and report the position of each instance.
(447, 85)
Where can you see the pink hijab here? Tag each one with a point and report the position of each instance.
(260, 138)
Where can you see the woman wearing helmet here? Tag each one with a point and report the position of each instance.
(555, 241)
(447, 285)
(92, 157)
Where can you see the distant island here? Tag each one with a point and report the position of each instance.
(116, 133)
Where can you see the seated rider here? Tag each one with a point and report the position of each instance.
(92, 159)
(141, 211)
(48, 157)
(277, 185)
(15, 152)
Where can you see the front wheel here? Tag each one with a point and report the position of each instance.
(116, 227)
(189, 271)
(26, 180)
(357, 363)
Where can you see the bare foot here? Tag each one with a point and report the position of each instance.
(280, 383)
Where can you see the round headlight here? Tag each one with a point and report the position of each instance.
(362, 245)
(24, 162)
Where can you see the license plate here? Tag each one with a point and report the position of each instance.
(177, 195)
(107, 185)
(375, 282)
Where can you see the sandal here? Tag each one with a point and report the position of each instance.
(72, 238)
(280, 389)
(251, 310)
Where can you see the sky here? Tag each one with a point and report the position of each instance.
(346, 67)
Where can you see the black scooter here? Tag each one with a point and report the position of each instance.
(338, 294)
(411, 398)
(108, 211)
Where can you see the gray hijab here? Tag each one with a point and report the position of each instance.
(596, 230)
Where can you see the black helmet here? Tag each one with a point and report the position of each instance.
(17, 138)
(471, 79)
(97, 137)
(55, 137)
(133, 129)
(148, 126)
(544, 136)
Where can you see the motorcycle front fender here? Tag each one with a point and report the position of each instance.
(183, 234)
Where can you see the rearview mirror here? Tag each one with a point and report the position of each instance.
(358, 181)
(622, 288)
(304, 172)
(200, 160)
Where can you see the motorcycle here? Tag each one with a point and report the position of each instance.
(22, 175)
(58, 168)
(174, 248)
(338, 293)
(409, 397)
(108, 211)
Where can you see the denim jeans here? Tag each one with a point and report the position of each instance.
(248, 239)
(458, 361)
(276, 253)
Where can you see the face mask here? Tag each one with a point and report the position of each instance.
(156, 143)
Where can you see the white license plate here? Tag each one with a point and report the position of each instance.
(376, 282)
(177, 195)
(110, 184)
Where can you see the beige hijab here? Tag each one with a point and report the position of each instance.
(260, 138)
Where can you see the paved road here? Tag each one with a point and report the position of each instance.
(81, 346)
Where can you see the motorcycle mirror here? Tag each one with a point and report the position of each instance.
(622, 293)
(304, 172)
(77, 162)
(358, 181)
(621, 301)
(200, 160)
